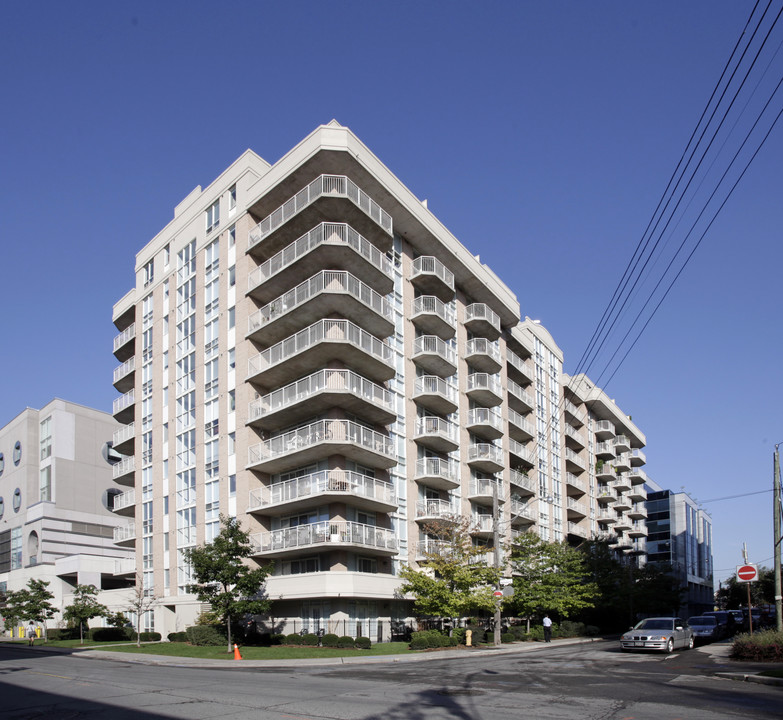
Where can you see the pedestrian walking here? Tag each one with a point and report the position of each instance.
(547, 629)
(31, 633)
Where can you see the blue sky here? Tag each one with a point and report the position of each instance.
(541, 133)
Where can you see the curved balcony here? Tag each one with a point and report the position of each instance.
(481, 319)
(519, 428)
(321, 439)
(623, 524)
(333, 245)
(485, 457)
(518, 368)
(482, 491)
(362, 491)
(125, 503)
(123, 471)
(622, 502)
(435, 394)
(484, 389)
(622, 463)
(605, 496)
(436, 433)
(485, 423)
(432, 316)
(638, 458)
(622, 483)
(434, 356)
(521, 513)
(124, 375)
(638, 511)
(482, 526)
(621, 444)
(607, 517)
(124, 345)
(637, 530)
(431, 277)
(324, 342)
(325, 535)
(125, 535)
(123, 439)
(604, 451)
(429, 510)
(518, 450)
(637, 493)
(519, 399)
(637, 476)
(483, 355)
(319, 392)
(605, 472)
(521, 484)
(123, 407)
(437, 473)
(327, 197)
(604, 430)
(325, 293)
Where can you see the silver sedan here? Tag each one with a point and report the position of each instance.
(659, 633)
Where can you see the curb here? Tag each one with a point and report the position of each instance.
(745, 677)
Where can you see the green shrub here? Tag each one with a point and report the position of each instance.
(459, 635)
(479, 634)
(63, 634)
(329, 640)
(363, 643)
(150, 637)
(537, 632)
(310, 639)
(112, 634)
(345, 642)
(518, 631)
(177, 637)
(204, 635)
(569, 628)
(507, 637)
(429, 639)
(293, 639)
(762, 646)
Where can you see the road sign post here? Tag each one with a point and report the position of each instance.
(748, 573)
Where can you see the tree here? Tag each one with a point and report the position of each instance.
(37, 605)
(84, 608)
(222, 577)
(733, 594)
(454, 579)
(549, 576)
(13, 609)
(139, 604)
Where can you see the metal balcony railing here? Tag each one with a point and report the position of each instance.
(125, 336)
(482, 311)
(482, 346)
(126, 432)
(430, 305)
(126, 368)
(124, 466)
(428, 265)
(327, 531)
(123, 401)
(435, 509)
(437, 467)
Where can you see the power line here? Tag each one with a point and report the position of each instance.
(732, 497)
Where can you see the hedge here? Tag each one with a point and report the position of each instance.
(363, 643)
(330, 640)
(177, 637)
(345, 642)
(205, 635)
(310, 639)
(293, 639)
(762, 646)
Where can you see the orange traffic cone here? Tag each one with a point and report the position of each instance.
(237, 656)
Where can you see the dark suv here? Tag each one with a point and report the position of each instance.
(726, 624)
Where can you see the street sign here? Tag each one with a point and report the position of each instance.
(747, 573)
(498, 593)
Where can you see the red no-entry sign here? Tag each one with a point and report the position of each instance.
(747, 573)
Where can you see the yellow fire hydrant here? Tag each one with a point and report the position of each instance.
(468, 637)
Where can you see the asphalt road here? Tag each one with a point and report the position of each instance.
(593, 681)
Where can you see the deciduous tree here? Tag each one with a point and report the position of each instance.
(84, 608)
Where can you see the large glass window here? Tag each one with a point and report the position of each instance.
(45, 487)
(46, 438)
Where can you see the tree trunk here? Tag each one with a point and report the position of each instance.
(138, 630)
(228, 631)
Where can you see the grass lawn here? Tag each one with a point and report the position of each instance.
(279, 652)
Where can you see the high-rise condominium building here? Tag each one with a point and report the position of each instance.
(309, 349)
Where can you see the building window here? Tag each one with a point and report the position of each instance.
(148, 273)
(46, 438)
(166, 255)
(17, 452)
(16, 548)
(213, 216)
(46, 483)
(232, 200)
(17, 499)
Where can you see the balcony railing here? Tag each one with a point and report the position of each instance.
(478, 452)
(520, 509)
(325, 532)
(516, 390)
(482, 311)
(521, 480)
(126, 368)
(578, 415)
(485, 416)
(326, 281)
(126, 432)
(433, 345)
(329, 330)
(482, 523)
(433, 426)
(437, 467)
(575, 529)
(123, 402)
(576, 435)
(324, 185)
(572, 479)
(125, 336)
(482, 346)
(323, 234)
(124, 466)
(320, 483)
(321, 431)
(604, 427)
(124, 500)
(484, 381)
(519, 420)
(576, 506)
(574, 458)
(428, 265)
(435, 509)
(485, 488)
(125, 566)
(125, 532)
(430, 305)
(515, 361)
(520, 450)
(323, 381)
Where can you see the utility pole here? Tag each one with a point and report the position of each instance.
(496, 543)
(776, 533)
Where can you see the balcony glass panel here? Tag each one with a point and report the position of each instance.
(335, 532)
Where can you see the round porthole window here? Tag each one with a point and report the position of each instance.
(17, 452)
(2, 463)
(17, 499)
(2, 507)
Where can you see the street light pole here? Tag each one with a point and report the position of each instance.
(496, 543)
(776, 533)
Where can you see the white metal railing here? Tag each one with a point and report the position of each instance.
(520, 509)
(125, 566)
(437, 467)
(604, 447)
(572, 479)
(484, 381)
(576, 506)
(517, 362)
(123, 401)
(429, 546)
(639, 527)
(575, 434)
(321, 431)
(329, 380)
(482, 311)
(124, 500)
(482, 346)
(623, 460)
(605, 426)
(126, 432)
(331, 185)
(637, 476)
(521, 480)
(123, 467)
(637, 454)
(430, 305)
(485, 487)
(428, 265)
(519, 420)
(434, 509)
(575, 529)
(516, 390)
(323, 234)
(125, 532)
(434, 385)
(321, 482)
(485, 416)
(327, 330)
(125, 369)
(485, 451)
(639, 508)
(575, 411)
(433, 345)
(482, 523)
(327, 531)
(520, 450)
(574, 458)
(622, 441)
(326, 281)
(125, 336)
(433, 426)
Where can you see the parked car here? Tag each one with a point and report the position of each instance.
(726, 625)
(739, 618)
(705, 628)
(659, 633)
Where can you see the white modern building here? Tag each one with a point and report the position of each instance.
(309, 349)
